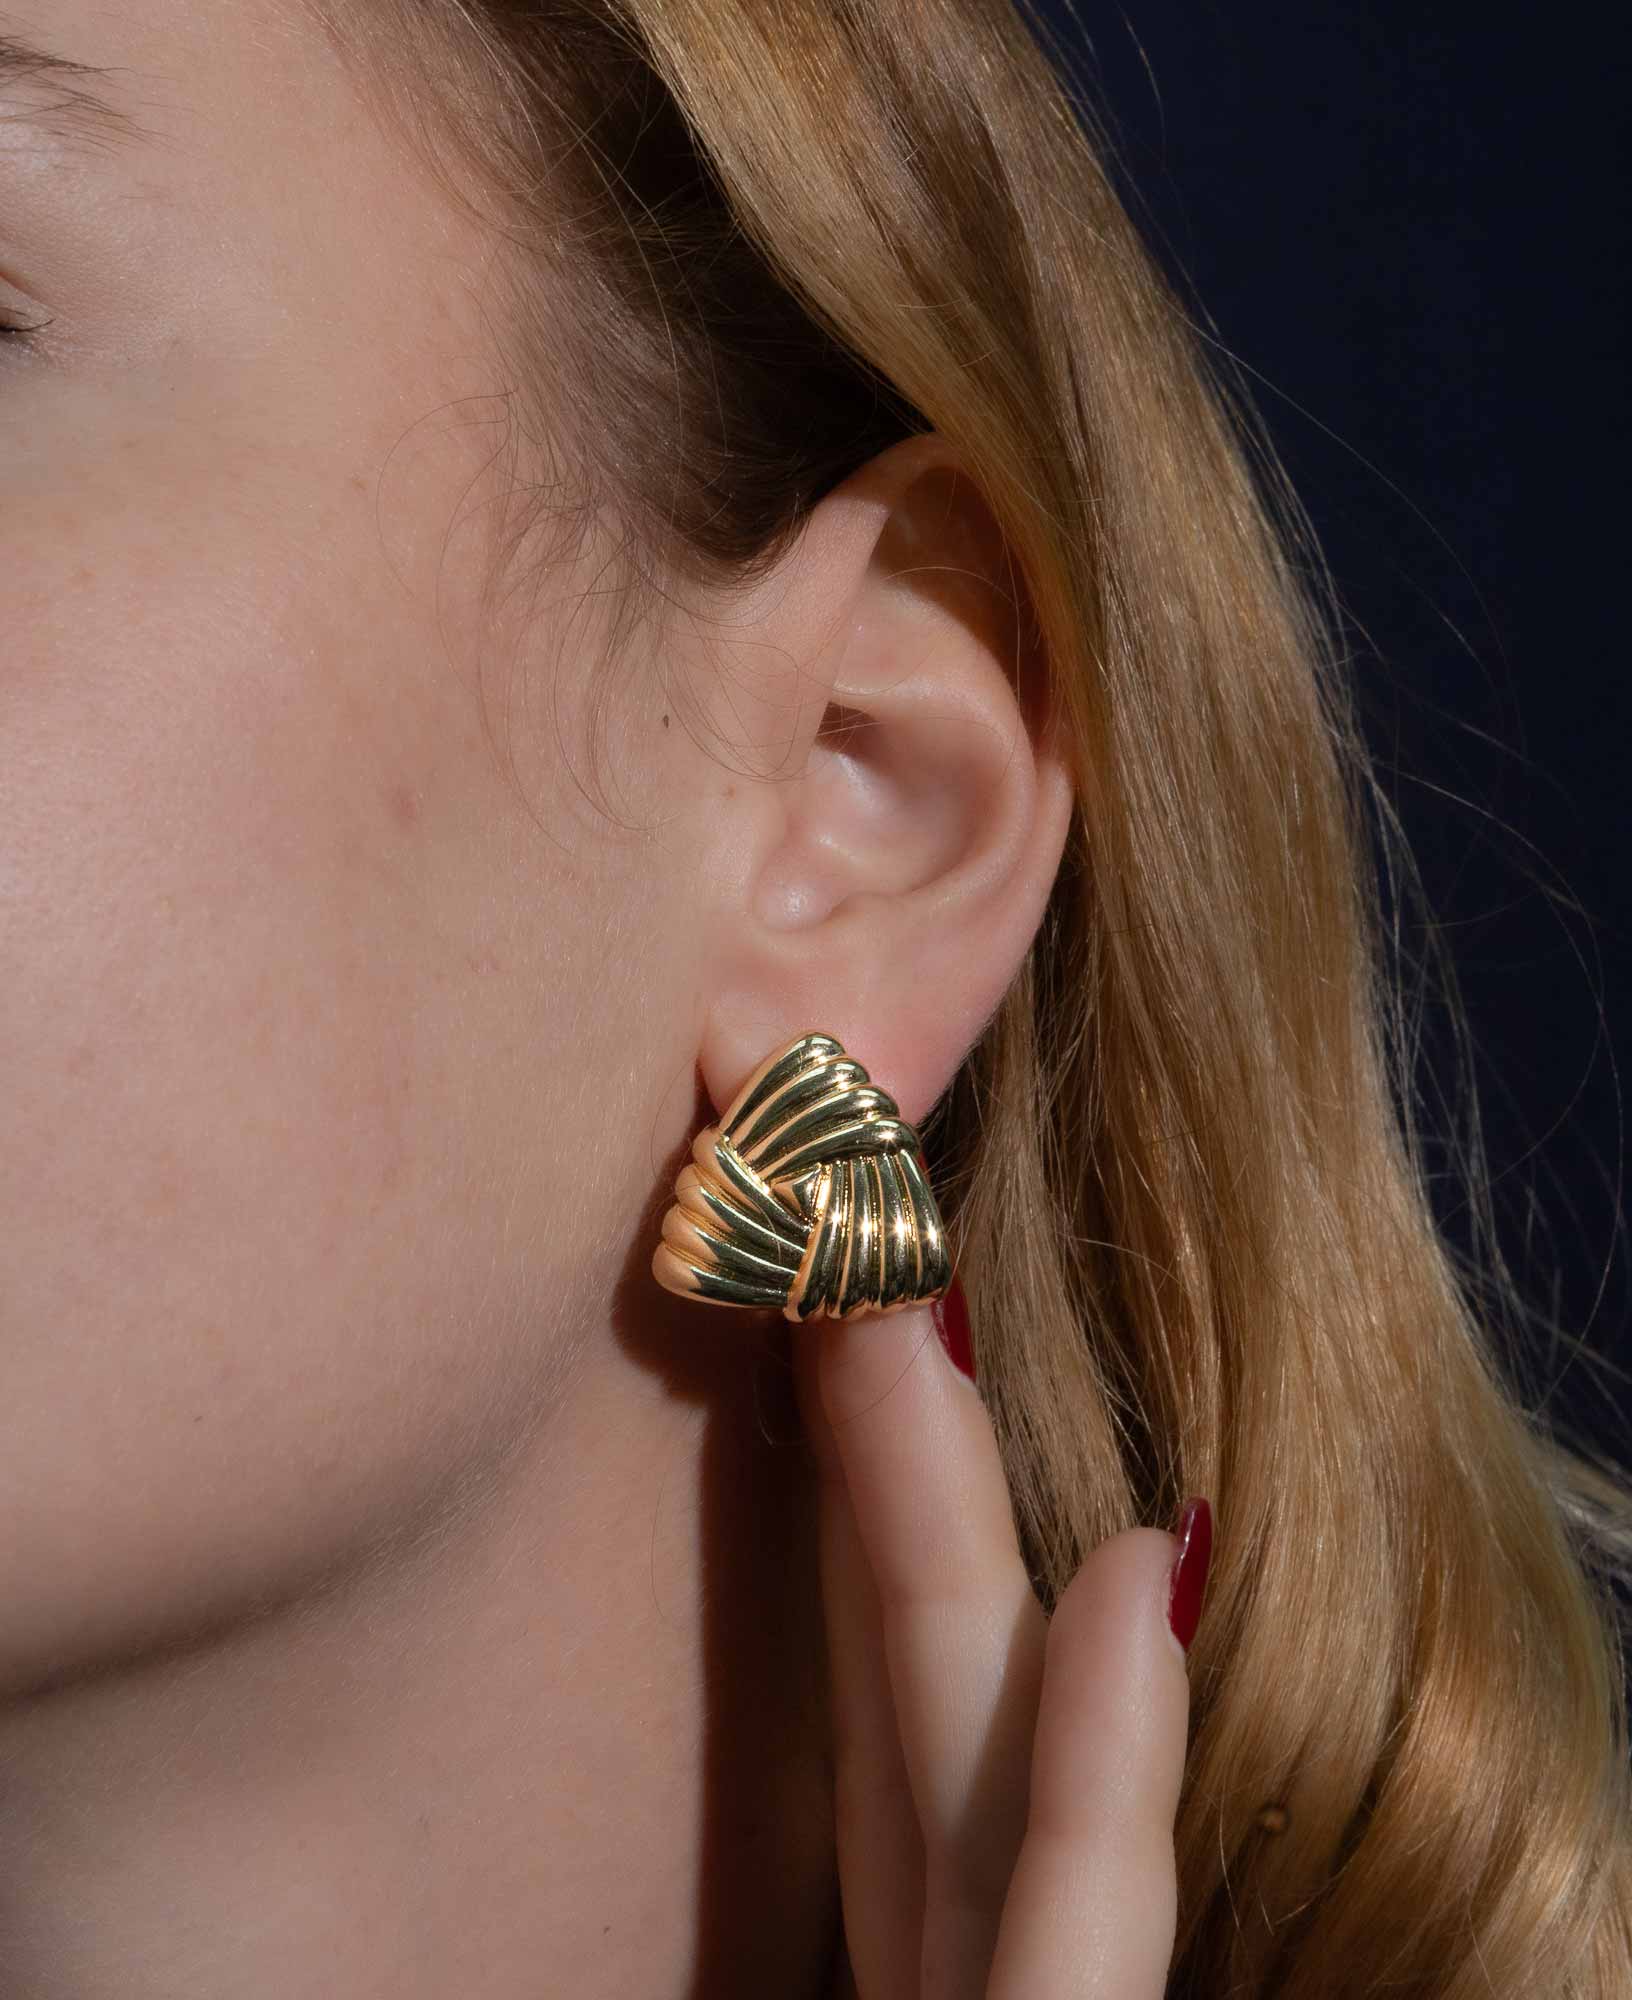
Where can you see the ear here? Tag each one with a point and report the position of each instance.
(885, 881)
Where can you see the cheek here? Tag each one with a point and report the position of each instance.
(273, 972)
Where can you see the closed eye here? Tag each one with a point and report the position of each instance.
(14, 329)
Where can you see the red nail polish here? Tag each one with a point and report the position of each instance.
(1189, 1575)
(950, 1313)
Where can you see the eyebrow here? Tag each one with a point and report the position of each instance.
(79, 112)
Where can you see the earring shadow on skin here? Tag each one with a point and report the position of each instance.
(758, 1527)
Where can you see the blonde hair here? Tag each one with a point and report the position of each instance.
(747, 247)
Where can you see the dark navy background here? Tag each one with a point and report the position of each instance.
(1409, 226)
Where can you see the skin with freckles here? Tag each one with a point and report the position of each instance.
(403, 1594)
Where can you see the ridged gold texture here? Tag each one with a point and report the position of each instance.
(810, 1196)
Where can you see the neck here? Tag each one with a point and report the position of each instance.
(578, 1746)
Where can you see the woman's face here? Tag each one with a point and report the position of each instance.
(319, 1053)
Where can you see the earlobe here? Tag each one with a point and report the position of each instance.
(907, 849)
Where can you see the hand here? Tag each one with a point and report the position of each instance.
(1006, 1783)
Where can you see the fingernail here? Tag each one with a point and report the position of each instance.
(950, 1312)
(1189, 1574)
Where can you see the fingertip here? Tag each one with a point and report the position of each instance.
(1113, 1724)
(1115, 1608)
(847, 1368)
(865, 1362)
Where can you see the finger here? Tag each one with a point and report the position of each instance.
(880, 1846)
(963, 1633)
(1092, 1909)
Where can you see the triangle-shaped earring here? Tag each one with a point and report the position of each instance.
(810, 1196)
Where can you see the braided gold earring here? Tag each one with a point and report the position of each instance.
(810, 1195)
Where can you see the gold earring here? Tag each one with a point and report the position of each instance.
(810, 1195)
